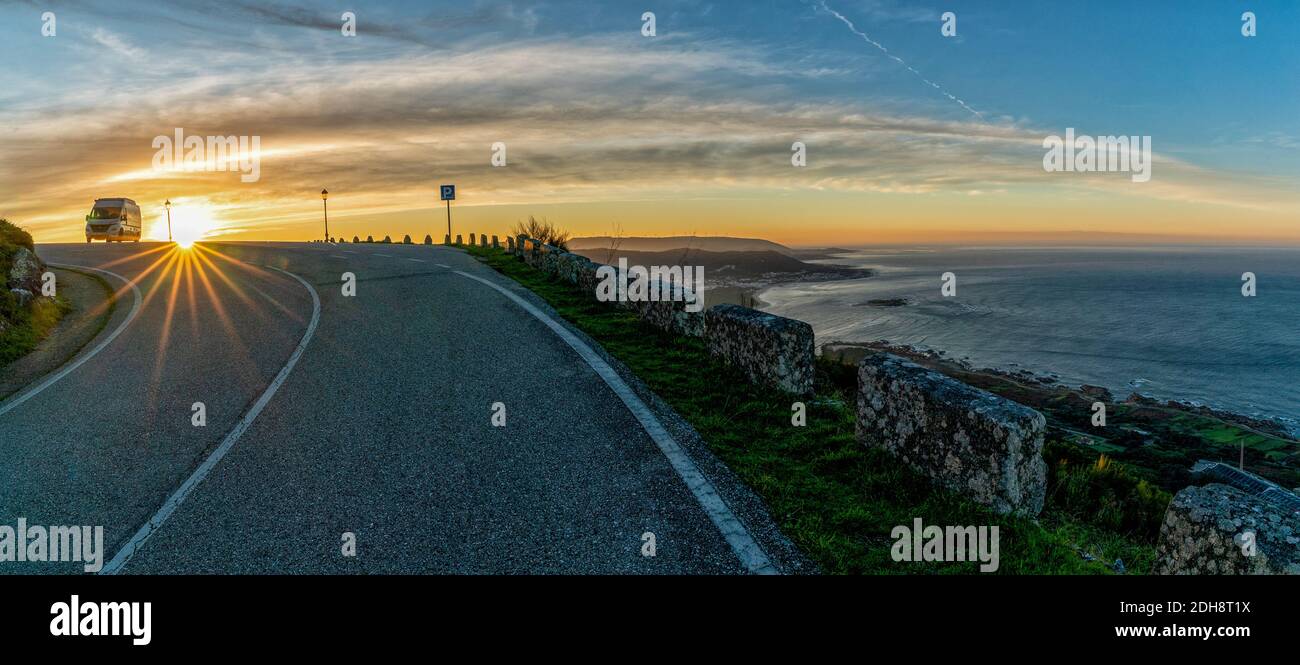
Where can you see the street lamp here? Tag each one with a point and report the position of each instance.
(168, 205)
(324, 200)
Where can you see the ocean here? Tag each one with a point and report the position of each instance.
(1166, 322)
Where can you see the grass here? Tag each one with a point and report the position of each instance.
(31, 325)
(833, 497)
(23, 326)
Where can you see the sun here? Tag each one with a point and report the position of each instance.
(191, 223)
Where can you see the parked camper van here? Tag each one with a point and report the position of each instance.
(114, 219)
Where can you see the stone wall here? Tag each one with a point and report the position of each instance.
(985, 447)
(770, 349)
(1208, 528)
(582, 273)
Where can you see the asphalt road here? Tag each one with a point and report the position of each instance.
(380, 426)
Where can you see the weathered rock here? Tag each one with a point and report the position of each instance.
(986, 447)
(769, 349)
(1209, 529)
(482, 240)
(370, 238)
(21, 296)
(496, 242)
(510, 244)
(471, 239)
(356, 239)
(672, 315)
(25, 271)
(388, 240)
(532, 252)
(406, 239)
(1097, 392)
(428, 239)
(459, 239)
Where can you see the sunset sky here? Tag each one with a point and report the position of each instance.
(687, 132)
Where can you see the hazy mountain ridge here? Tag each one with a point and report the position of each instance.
(665, 243)
(729, 266)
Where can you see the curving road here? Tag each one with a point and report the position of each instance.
(328, 414)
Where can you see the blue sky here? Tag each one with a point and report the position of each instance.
(599, 116)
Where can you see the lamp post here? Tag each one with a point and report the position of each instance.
(324, 200)
(168, 205)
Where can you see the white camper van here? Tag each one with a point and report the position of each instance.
(113, 219)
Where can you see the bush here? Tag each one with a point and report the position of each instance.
(543, 231)
(1098, 491)
(13, 237)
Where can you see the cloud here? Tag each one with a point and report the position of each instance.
(585, 118)
(116, 44)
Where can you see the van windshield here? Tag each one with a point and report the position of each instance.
(105, 213)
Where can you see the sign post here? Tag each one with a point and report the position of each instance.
(448, 195)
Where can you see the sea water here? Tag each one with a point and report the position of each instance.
(1167, 322)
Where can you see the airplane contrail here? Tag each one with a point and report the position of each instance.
(897, 59)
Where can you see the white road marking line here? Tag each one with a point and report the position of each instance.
(174, 501)
(383, 255)
(442, 265)
(348, 251)
(338, 256)
(416, 260)
(749, 552)
(21, 397)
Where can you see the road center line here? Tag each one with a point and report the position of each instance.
(174, 501)
(416, 260)
(67, 369)
(742, 543)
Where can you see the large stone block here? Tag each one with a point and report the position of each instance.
(769, 349)
(672, 315)
(25, 271)
(986, 447)
(1220, 530)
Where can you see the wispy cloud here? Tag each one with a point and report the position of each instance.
(116, 43)
(599, 116)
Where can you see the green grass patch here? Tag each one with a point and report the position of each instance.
(29, 326)
(22, 327)
(833, 497)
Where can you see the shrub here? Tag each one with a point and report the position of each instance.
(11, 236)
(543, 231)
(1096, 490)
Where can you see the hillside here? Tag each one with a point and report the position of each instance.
(708, 243)
(729, 266)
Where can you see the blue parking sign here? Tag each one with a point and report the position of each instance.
(448, 192)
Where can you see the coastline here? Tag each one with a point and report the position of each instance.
(1162, 437)
(1274, 419)
(940, 360)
